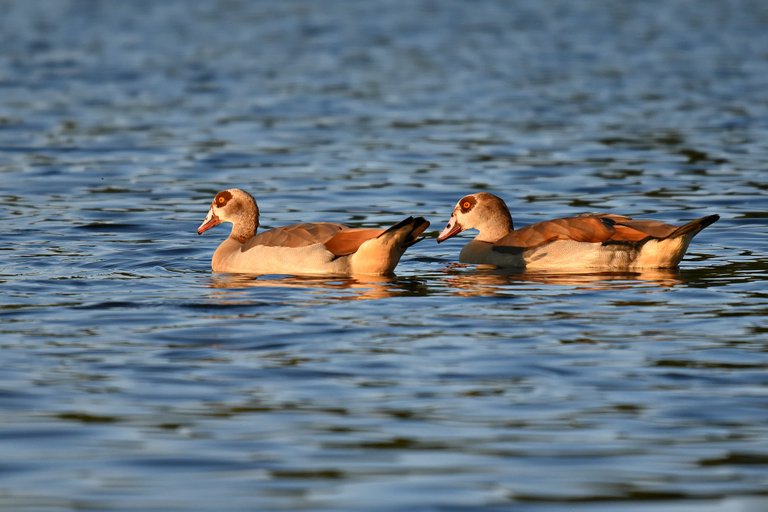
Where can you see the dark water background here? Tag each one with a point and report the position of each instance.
(132, 378)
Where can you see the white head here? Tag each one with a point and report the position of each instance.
(237, 207)
(482, 211)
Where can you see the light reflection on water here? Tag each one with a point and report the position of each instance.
(133, 378)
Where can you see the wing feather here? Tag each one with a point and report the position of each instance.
(296, 235)
(590, 228)
(349, 241)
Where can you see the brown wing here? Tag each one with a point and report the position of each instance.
(628, 229)
(584, 228)
(349, 241)
(592, 228)
(297, 235)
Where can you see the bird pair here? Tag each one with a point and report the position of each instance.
(595, 241)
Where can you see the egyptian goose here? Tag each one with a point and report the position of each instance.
(588, 241)
(310, 248)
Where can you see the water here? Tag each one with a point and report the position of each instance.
(133, 378)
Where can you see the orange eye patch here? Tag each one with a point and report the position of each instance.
(223, 198)
(467, 203)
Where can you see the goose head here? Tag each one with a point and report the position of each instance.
(482, 211)
(236, 207)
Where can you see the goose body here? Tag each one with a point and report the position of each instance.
(321, 248)
(598, 241)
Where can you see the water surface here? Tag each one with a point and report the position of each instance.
(133, 378)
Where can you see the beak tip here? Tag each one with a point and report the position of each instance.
(452, 229)
(210, 221)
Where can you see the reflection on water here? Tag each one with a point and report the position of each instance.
(457, 278)
(337, 287)
(133, 378)
(474, 281)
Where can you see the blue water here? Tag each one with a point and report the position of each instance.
(133, 378)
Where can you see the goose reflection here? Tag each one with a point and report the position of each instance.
(340, 288)
(488, 280)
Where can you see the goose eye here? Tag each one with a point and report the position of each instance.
(467, 203)
(222, 198)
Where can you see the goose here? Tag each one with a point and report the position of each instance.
(600, 241)
(319, 248)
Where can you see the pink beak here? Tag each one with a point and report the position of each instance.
(210, 221)
(452, 229)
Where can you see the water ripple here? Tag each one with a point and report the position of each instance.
(134, 378)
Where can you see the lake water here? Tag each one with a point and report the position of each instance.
(132, 378)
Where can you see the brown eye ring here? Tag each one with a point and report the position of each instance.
(222, 198)
(467, 203)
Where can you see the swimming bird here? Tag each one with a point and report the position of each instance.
(310, 248)
(600, 241)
